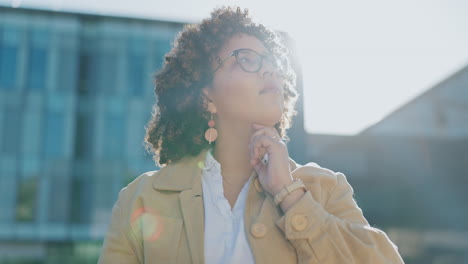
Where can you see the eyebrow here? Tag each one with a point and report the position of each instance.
(262, 52)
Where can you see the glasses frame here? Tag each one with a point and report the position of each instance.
(235, 53)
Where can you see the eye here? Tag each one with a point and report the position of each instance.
(245, 60)
(247, 57)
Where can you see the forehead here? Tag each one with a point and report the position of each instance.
(240, 41)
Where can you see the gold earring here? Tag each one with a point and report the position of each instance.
(211, 133)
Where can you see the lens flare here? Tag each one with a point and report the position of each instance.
(146, 222)
(201, 164)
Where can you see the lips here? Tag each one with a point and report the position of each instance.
(270, 89)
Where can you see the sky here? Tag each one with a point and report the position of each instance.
(360, 59)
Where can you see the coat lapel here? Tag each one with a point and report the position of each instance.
(191, 204)
(185, 176)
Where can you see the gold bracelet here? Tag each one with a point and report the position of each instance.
(296, 184)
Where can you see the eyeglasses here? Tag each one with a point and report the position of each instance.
(249, 60)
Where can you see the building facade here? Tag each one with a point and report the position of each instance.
(75, 94)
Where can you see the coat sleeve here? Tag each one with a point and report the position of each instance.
(117, 246)
(336, 232)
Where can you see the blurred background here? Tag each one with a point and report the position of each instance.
(384, 99)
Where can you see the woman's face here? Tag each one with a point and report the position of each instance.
(245, 97)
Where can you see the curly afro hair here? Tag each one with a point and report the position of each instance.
(179, 117)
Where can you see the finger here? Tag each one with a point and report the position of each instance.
(260, 153)
(252, 145)
(255, 139)
(252, 154)
(255, 152)
(258, 166)
(259, 129)
(260, 146)
(269, 132)
(256, 126)
(257, 133)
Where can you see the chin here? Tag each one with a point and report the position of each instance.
(271, 118)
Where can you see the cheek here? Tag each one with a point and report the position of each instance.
(238, 88)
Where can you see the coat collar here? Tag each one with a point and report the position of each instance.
(182, 175)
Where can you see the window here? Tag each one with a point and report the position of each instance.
(114, 141)
(82, 194)
(54, 137)
(86, 68)
(26, 206)
(8, 57)
(26, 199)
(76, 212)
(7, 66)
(84, 136)
(136, 78)
(37, 63)
(11, 127)
(67, 65)
(106, 76)
(37, 68)
(97, 73)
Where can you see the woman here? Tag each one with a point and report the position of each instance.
(227, 191)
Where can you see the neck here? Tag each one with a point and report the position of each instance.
(232, 152)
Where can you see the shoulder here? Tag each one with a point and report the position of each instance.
(312, 171)
(319, 180)
(139, 187)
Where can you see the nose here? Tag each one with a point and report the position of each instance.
(270, 70)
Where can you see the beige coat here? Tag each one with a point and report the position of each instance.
(159, 218)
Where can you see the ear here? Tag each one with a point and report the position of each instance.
(209, 102)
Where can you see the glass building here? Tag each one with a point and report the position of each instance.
(75, 94)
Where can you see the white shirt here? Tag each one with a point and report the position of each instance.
(225, 239)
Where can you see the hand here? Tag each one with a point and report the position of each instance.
(276, 173)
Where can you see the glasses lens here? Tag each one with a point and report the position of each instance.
(249, 60)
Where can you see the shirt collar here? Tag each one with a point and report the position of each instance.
(210, 162)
